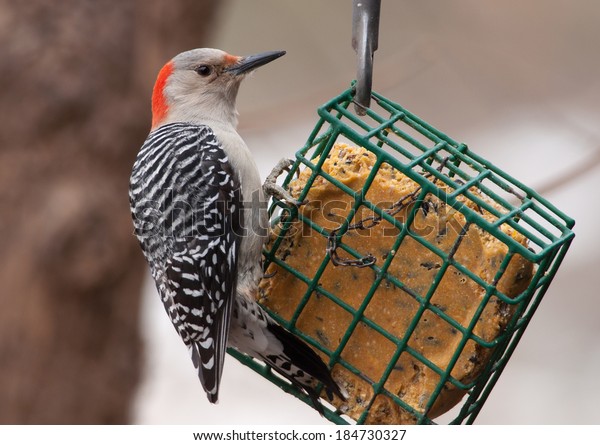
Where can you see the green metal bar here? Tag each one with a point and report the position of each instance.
(283, 384)
(519, 333)
(401, 346)
(399, 138)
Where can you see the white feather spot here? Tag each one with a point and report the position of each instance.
(191, 276)
(206, 343)
(209, 364)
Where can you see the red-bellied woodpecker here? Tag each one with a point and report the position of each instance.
(199, 212)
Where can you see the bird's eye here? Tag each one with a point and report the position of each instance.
(204, 70)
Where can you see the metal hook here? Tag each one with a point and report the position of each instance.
(365, 34)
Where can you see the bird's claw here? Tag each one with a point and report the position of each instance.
(278, 192)
(271, 188)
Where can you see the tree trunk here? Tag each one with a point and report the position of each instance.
(76, 81)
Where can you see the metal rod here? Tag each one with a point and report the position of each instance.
(365, 34)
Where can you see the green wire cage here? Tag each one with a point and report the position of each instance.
(454, 174)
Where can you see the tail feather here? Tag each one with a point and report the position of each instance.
(204, 362)
(302, 366)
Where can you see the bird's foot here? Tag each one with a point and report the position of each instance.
(271, 188)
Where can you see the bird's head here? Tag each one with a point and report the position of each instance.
(201, 85)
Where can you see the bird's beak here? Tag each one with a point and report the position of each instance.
(249, 63)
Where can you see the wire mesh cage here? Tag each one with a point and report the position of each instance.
(449, 333)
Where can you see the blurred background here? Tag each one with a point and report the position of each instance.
(83, 335)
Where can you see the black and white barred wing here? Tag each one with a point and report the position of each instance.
(201, 274)
(195, 263)
(201, 286)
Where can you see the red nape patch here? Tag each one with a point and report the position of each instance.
(159, 101)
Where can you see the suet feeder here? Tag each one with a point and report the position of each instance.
(455, 175)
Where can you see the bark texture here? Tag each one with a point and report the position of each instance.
(76, 81)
